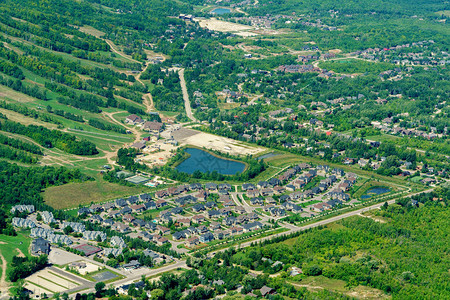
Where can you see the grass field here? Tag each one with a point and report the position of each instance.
(74, 194)
(10, 244)
(351, 66)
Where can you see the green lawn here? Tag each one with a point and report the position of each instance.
(10, 244)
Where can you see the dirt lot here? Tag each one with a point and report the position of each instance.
(201, 139)
(46, 281)
(90, 267)
(157, 154)
(222, 26)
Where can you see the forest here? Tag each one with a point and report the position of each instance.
(397, 255)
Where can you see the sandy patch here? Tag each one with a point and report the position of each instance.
(20, 253)
(245, 33)
(214, 142)
(90, 267)
(157, 154)
(222, 26)
(335, 51)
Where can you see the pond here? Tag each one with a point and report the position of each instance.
(205, 162)
(375, 192)
(221, 11)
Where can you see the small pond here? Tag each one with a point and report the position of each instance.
(205, 162)
(375, 191)
(221, 11)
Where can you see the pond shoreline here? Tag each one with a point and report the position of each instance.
(187, 155)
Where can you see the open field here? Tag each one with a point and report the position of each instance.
(214, 142)
(321, 282)
(222, 26)
(14, 245)
(74, 194)
(7, 94)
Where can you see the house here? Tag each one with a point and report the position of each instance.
(96, 219)
(128, 218)
(236, 230)
(274, 182)
(23, 223)
(198, 219)
(40, 246)
(176, 210)
(77, 227)
(149, 205)
(163, 230)
(213, 214)
(120, 227)
(229, 203)
(191, 242)
(206, 238)
(265, 290)
(108, 206)
(47, 217)
(198, 208)
(94, 235)
(23, 208)
(262, 184)
(137, 208)
(214, 225)
(161, 203)
(133, 120)
(184, 222)
(117, 241)
(161, 241)
(252, 193)
(210, 204)
(228, 221)
(248, 186)
(132, 265)
(161, 194)
(202, 229)
(256, 201)
(119, 203)
(252, 226)
(139, 223)
(178, 235)
(210, 186)
(266, 192)
(319, 207)
(154, 127)
(138, 145)
(126, 210)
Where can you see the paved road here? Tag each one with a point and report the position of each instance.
(187, 103)
(323, 222)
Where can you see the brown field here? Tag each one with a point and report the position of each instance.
(92, 31)
(74, 194)
(8, 95)
(16, 117)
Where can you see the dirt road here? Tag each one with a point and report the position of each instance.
(187, 103)
(3, 284)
